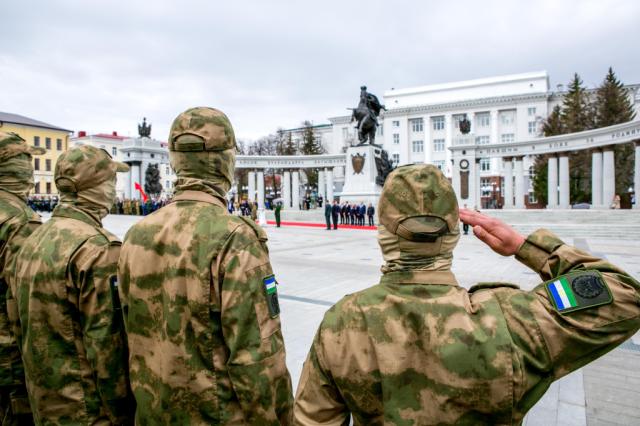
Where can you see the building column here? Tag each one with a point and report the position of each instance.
(455, 177)
(134, 173)
(519, 174)
(636, 177)
(474, 185)
(260, 178)
(563, 180)
(127, 185)
(252, 186)
(552, 183)
(508, 183)
(329, 173)
(322, 187)
(286, 189)
(608, 176)
(426, 121)
(448, 142)
(596, 179)
(295, 190)
(494, 126)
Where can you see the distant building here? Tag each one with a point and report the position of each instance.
(421, 123)
(37, 133)
(138, 153)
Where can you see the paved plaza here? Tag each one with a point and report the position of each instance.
(315, 268)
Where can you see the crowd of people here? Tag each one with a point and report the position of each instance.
(180, 323)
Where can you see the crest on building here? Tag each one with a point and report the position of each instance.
(357, 161)
(465, 125)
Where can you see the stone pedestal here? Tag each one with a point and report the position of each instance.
(360, 176)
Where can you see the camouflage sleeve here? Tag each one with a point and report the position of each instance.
(550, 341)
(251, 330)
(94, 270)
(318, 401)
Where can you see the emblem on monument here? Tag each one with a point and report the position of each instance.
(357, 161)
(144, 129)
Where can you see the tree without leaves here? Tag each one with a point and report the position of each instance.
(152, 185)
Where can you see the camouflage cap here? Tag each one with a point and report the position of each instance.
(84, 167)
(201, 129)
(418, 203)
(11, 145)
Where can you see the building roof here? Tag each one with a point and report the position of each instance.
(6, 117)
(109, 136)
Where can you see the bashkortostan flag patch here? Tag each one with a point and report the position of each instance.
(578, 290)
(272, 295)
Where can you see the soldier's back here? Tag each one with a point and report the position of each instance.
(172, 310)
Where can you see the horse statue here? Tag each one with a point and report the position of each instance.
(366, 114)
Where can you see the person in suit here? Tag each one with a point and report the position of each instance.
(335, 212)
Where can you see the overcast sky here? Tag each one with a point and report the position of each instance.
(103, 65)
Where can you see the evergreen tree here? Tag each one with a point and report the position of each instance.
(613, 106)
(553, 125)
(311, 146)
(287, 147)
(152, 185)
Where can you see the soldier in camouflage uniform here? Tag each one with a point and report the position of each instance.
(17, 222)
(200, 297)
(72, 333)
(418, 349)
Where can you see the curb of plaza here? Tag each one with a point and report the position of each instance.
(322, 225)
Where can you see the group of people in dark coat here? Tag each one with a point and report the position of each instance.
(348, 214)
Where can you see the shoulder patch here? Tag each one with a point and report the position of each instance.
(271, 292)
(578, 290)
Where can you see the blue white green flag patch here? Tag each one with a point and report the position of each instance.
(272, 295)
(578, 290)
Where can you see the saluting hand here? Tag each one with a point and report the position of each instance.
(502, 238)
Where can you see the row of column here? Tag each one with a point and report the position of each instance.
(514, 172)
(603, 179)
(290, 187)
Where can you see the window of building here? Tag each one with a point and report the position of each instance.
(485, 164)
(532, 197)
(396, 138)
(48, 187)
(114, 151)
(532, 172)
(483, 119)
(438, 123)
(47, 143)
(166, 185)
(395, 157)
(507, 118)
(47, 166)
(166, 170)
(59, 144)
(507, 137)
(36, 141)
(37, 188)
(416, 125)
(345, 133)
(395, 123)
(417, 146)
(485, 187)
(531, 111)
(533, 127)
(457, 119)
(439, 164)
(438, 145)
(483, 140)
(36, 164)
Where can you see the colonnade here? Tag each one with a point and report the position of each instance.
(290, 186)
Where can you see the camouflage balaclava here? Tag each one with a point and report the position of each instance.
(86, 178)
(16, 170)
(418, 215)
(202, 151)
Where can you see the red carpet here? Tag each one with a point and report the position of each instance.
(322, 225)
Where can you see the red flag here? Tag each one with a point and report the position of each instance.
(139, 188)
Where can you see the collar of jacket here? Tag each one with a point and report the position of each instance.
(419, 277)
(71, 212)
(10, 195)
(198, 196)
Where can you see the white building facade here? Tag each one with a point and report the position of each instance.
(421, 124)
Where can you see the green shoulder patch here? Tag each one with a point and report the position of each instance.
(272, 295)
(578, 290)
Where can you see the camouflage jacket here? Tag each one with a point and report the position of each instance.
(205, 347)
(17, 222)
(418, 349)
(72, 334)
